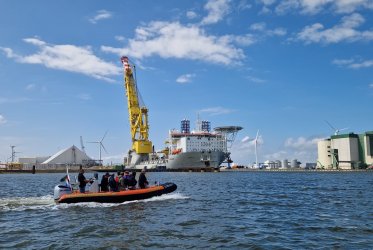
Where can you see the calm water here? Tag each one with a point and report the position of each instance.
(246, 210)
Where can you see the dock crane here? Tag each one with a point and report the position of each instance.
(138, 116)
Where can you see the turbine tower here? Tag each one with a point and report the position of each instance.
(256, 150)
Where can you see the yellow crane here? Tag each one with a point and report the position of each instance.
(138, 115)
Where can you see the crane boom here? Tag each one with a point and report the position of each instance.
(138, 116)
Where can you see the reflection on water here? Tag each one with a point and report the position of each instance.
(209, 210)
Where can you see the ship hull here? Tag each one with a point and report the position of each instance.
(187, 160)
(196, 160)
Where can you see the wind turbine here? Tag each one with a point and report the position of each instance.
(101, 145)
(256, 150)
(336, 130)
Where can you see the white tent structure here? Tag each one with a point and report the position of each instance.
(68, 156)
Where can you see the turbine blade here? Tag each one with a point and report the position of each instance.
(102, 145)
(330, 125)
(104, 136)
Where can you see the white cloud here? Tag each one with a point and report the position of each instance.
(353, 63)
(30, 86)
(265, 10)
(342, 62)
(279, 155)
(244, 40)
(286, 6)
(345, 31)
(8, 52)
(267, 2)
(277, 32)
(255, 79)
(302, 143)
(348, 6)
(85, 97)
(174, 40)
(185, 78)
(191, 14)
(258, 26)
(299, 148)
(216, 111)
(316, 6)
(101, 15)
(243, 5)
(2, 119)
(217, 9)
(66, 57)
(262, 28)
(364, 64)
(5, 100)
(371, 85)
(35, 41)
(120, 38)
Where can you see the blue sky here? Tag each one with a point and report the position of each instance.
(280, 66)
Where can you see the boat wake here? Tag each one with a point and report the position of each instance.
(26, 203)
(165, 197)
(47, 202)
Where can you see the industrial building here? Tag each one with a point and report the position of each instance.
(346, 151)
(71, 156)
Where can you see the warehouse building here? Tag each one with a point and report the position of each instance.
(346, 151)
(71, 156)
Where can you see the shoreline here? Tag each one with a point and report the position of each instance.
(91, 170)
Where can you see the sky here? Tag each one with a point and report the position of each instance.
(283, 67)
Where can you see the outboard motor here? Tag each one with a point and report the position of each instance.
(60, 190)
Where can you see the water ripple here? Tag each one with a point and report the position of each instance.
(209, 210)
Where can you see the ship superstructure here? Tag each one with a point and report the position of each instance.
(200, 148)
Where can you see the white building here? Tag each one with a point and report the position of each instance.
(71, 156)
(346, 151)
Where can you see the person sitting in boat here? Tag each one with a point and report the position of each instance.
(143, 182)
(117, 178)
(82, 181)
(132, 180)
(105, 182)
(113, 184)
(125, 180)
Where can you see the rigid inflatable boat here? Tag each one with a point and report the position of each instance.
(64, 194)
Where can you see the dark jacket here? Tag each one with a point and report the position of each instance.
(132, 180)
(105, 182)
(81, 179)
(143, 181)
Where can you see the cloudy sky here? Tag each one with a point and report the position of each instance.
(284, 67)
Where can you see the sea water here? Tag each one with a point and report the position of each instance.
(227, 210)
